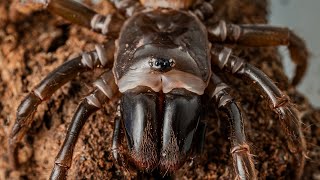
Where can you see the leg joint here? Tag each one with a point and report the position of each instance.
(57, 163)
(240, 148)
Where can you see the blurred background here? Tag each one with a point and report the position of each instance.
(302, 17)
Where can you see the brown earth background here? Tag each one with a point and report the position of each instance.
(33, 43)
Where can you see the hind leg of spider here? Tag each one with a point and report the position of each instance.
(80, 14)
(242, 159)
(44, 90)
(106, 89)
(264, 35)
(279, 102)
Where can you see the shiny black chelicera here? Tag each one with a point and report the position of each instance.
(161, 61)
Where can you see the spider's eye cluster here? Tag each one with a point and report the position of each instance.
(161, 64)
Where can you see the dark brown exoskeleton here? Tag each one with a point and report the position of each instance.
(162, 68)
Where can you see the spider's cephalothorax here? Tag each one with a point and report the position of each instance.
(161, 58)
(150, 38)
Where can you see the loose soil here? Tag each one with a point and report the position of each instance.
(33, 43)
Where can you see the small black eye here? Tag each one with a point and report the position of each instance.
(161, 64)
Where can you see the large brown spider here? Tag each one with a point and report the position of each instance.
(163, 67)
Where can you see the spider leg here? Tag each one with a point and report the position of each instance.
(80, 14)
(116, 136)
(264, 35)
(128, 7)
(279, 102)
(44, 90)
(203, 10)
(240, 150)
(106, 89)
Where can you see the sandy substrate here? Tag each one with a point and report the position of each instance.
(34, 43)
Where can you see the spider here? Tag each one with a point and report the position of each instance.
(163, 68)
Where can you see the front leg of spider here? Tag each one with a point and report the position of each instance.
(240, 150)
(279, 101)
(106, 89)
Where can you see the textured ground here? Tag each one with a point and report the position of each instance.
(34, 43)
